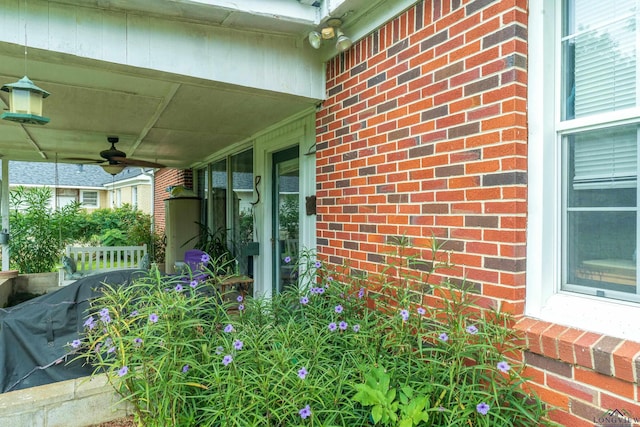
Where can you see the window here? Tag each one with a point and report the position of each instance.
(89, 199)
(598, 139)
(229, 205)
(64, 197)
(582, 223)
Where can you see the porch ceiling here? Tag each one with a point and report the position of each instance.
(169, 119)
(173, 119)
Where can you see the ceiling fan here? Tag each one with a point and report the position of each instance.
(114, 161)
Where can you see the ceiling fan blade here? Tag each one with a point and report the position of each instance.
(134, 162)
(82, 160)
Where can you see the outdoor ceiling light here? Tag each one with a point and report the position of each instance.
(25, 102)
(113, 169)
(328, 33)
(331, 30)
(315, 39)
(343, 42)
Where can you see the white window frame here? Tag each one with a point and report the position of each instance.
(83, 200)
(544, 298)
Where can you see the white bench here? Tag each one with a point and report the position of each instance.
(89, 260)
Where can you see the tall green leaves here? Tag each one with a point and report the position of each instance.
(38, 232)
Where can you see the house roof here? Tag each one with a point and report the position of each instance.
(68, 175)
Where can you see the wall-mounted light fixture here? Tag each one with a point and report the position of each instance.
(330, 31)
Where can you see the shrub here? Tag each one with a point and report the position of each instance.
(38, 232)
(348, 352)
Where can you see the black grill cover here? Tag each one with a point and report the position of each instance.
(35, 335)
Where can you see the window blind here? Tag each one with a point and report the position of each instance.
(600, 46)
(606, 159)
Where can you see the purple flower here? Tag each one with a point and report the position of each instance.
(134, 313)
(138, 341)
(153, 318)
(229, 328)
(332, 326)
(318, 264)
(503, 366)
(205, 258)
(227, 359)
(287, 259)
(111, 349)
(421, 311)
(361, 293)
(321, 290)
(185, 369)
(444, 337)
(302, 373)
(482, 408)
(305, 412)
(178, 287)
(123, 371)
(193, 284)
(356, 328)
(237, 344)
(240, 307)
(89, 323)
(76, 343)
(304, 300)
(339, 308)
(472, 330)
(219, 350)
(343, 325)
(104, 315)
(330, 278)
(404, 314)
(240, 298)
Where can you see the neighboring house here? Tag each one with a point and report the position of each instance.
(508, 130)
(87, 184)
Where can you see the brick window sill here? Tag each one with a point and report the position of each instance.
(613, 357)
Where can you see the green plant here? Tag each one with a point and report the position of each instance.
(213, 242)
(113, 237)
(38, 232)
(387, 403)
(335, 350)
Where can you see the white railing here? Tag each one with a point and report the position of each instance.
(98, 259)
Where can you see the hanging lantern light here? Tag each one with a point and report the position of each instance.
(25, 102)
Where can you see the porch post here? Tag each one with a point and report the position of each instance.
(4, 210)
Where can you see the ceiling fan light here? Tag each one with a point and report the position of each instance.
(113, 169)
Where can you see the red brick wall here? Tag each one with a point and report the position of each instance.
(424, 131)
(164, 179)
